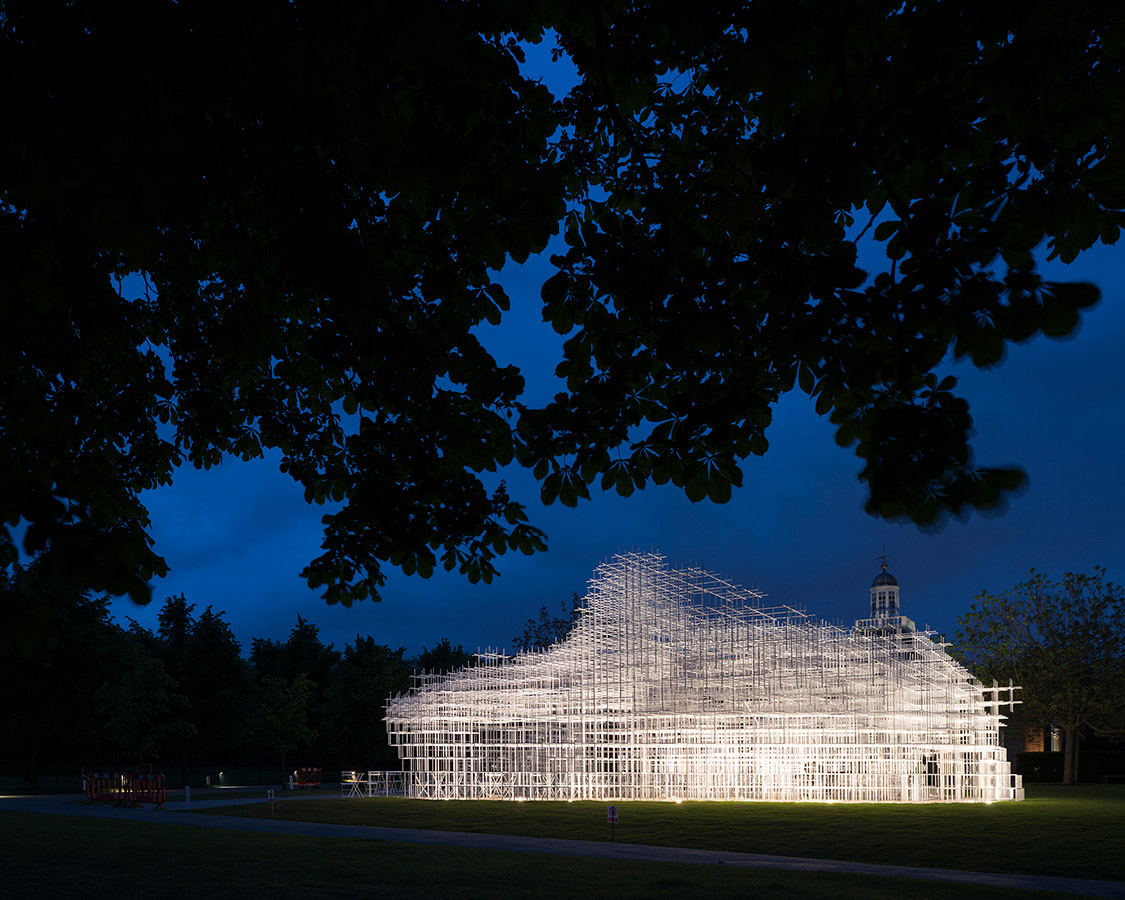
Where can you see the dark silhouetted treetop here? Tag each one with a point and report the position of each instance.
(318, 201)
(365, 677)
(546, 630)
(57, 646)
(443, 657)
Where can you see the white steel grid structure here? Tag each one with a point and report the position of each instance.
(677, 685)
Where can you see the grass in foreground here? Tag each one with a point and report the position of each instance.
(1073, 831)
(47, 856)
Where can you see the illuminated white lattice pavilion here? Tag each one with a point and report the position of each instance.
(676, 684)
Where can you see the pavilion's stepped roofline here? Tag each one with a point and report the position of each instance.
(679, 684)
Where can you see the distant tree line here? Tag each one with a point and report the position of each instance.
(82, 690)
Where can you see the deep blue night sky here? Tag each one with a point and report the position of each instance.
(237, 536)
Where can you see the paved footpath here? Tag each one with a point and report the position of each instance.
(176, 814)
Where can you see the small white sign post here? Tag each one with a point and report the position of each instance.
(611, 816)
(270, 796)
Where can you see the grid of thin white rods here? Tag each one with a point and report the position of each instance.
(675, 684)
(372, 784)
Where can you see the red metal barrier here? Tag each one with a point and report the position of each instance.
(145, 788)
(102, 786)
(308, 776)
(125, 788)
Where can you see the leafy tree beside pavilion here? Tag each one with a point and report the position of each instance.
(202, 654)
(355, 704)
(443, 657)
(280, 722)
(141, 707)
(1062, 643)
(301, 654)
(542, 632)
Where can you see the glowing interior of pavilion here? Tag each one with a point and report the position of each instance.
(675, 684)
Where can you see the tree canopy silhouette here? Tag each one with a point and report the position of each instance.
(1061, 643)
(319, 201)
(540, 633)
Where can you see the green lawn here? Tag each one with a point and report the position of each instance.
(44, 856)
(1072, 831)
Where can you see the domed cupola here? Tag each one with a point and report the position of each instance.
(883, 578)
(884, 594)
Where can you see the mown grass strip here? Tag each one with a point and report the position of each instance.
(48, 856)
(1073, 832)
